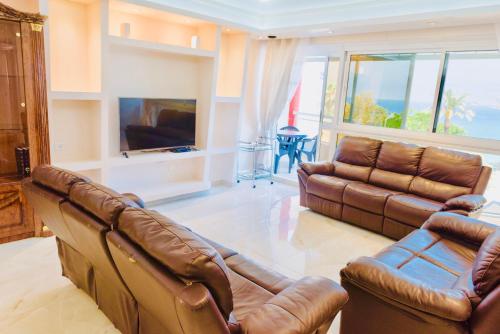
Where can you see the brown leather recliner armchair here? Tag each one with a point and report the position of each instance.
(392, 188)
(443, 278)
(151, 275)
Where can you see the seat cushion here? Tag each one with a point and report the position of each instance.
(426, 256)
(367, 197)
(327, 187)
(247, 295)
(268, 279)
(410, 209)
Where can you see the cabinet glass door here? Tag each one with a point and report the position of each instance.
(13, 122)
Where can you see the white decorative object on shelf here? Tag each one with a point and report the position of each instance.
(194, 41)
(125, 30)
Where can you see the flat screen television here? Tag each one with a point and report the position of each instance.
(147, 124)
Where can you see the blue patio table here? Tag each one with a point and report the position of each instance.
(288, 141)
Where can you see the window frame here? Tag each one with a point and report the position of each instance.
(482, 145)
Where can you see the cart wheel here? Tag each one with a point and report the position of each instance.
(237, 181)
(254, 186)
(272, 182)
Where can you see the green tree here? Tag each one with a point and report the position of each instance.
(366, 111)
(421, 121)
(454, 106)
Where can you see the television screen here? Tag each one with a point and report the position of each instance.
(147, 124)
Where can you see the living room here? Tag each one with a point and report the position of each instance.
(263, 166)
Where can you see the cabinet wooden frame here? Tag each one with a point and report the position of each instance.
(17, 220)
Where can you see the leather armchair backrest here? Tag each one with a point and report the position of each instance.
(179, 251)
(486, 267)
(355, 157)
(56, 179)
(166, 304)
(46, 203)
(444, 174)
(100, 201)
(47, 189)
(397, 163)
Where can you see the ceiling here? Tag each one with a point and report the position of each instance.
(321, 17)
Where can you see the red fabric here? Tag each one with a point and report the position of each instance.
(293, 109)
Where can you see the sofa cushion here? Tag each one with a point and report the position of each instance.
(390, 180)
(437, 191)
(367, 197)
(268, 279)
(452, 167)
(411, 209)
(486, 269)
(352, 172)
(327, 187)
(427, 257)
(358, 151)
(399, 158)
(247, 295)
(102, 202)
(57, 179)
(181, 251)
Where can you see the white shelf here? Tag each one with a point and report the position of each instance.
(173, 189)
(228, 99)
(78, 96)
(164, 48)
(153, 157)
(79, 165)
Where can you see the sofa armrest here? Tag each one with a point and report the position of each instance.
(324, 168)
(466, 202)
(396, 287)
(459, 227)
(301, 308)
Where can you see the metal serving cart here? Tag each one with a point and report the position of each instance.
(259, 162)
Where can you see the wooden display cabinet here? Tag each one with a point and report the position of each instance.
(23, 116)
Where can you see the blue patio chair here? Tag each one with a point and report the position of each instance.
(307, 146)
(285, 147)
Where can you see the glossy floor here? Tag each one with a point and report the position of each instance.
(266, 224)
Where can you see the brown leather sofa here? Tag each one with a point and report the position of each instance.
(151, 275)
(443, 278)
(392, 188)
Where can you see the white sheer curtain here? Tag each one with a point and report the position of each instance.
(280, 77)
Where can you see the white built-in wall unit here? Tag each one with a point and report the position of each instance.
(98, 51)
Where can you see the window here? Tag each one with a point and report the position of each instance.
(392, 90)
(453, 93)
(470, 104)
